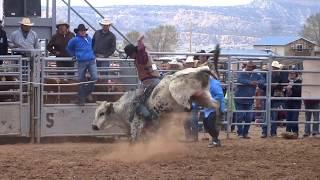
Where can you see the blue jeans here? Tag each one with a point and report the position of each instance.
(315, 127)
(243, 116)
(103, 64)
(212, 125)
(274, 117)
(86, 88)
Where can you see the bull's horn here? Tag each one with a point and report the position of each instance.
(100, 102)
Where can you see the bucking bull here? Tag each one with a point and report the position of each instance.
(174, 93)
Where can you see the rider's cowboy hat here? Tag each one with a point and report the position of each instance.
(26, 21)
(130, 49)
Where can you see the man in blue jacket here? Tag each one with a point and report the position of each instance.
(249, 81)
(81, 48)
(211, 123)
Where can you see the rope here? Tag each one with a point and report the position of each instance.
(69, 84)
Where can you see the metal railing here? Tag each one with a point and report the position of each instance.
(14, 93)
(61, 84)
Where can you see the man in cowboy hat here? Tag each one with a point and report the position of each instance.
(104, 42)
(3, 42)
(190, 62)
(24, 37)
(58, 43)
(200, 59)
(248, 83)
(81, 47)
(277, 90)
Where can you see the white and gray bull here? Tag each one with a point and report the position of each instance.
(174, 93)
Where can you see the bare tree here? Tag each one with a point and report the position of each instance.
(132, 36)
(311, 28)
(162, 38)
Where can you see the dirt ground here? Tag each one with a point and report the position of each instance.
(161, 158)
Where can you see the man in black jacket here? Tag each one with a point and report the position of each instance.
(293, 90)
(3, 42)
(104, 43)
(277, 90)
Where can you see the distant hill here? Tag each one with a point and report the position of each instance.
(235, 26)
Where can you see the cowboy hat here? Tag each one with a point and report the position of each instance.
(105, 21)
(62, 22)
(130, 49)
(276, 64)
(264, 67)
(250, 64)
(189, 59)
(173, 61)
(80, 27)
(26, 21)
(196, 57)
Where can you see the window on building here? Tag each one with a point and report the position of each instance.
(299, 47)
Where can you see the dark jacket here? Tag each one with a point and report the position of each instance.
(3, 42)
(295, 92)
(311, 102)
(277, 88)
(58, 43)
(104, 43)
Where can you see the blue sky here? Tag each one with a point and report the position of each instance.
(98, 3)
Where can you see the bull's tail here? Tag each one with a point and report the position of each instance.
(216, 59)
(213, 63)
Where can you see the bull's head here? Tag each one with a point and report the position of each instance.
(104, 110)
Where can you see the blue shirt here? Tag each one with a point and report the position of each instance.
(246, 89)
(217, 94)
(81, 48)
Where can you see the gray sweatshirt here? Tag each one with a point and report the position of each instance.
(17, 40)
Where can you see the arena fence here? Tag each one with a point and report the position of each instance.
(45, 94)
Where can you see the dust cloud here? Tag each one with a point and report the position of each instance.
(165, 144)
